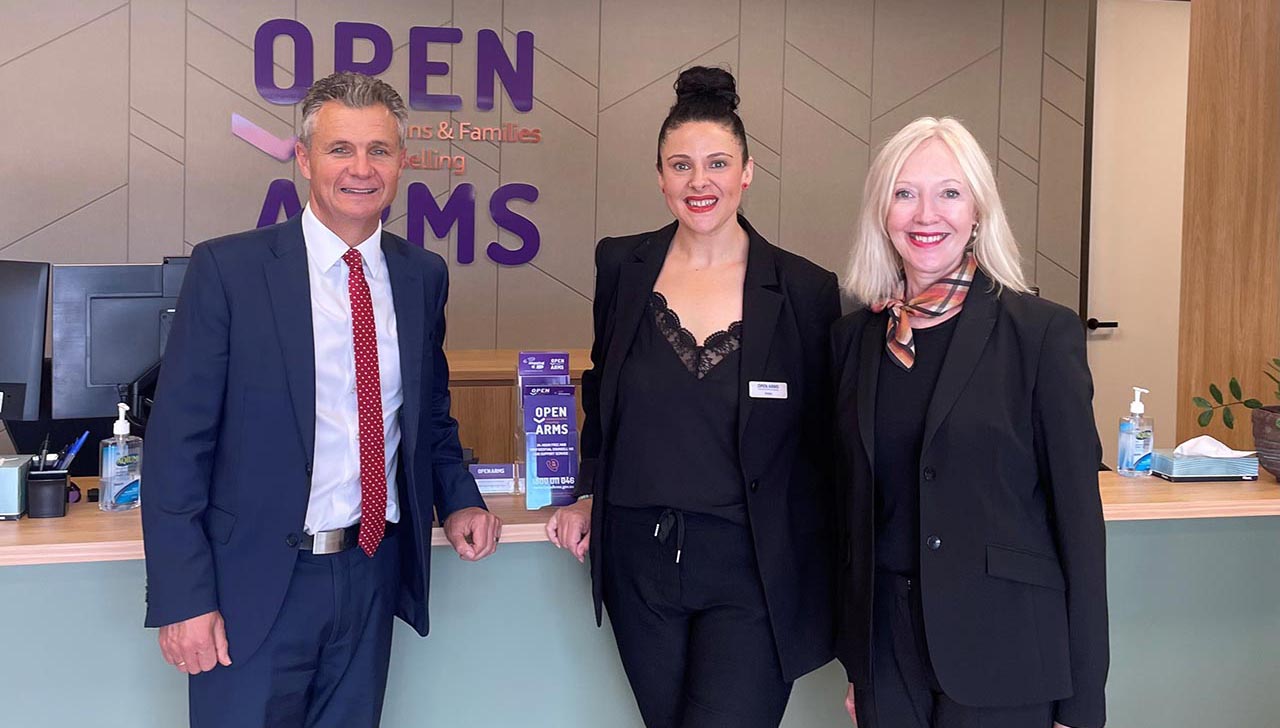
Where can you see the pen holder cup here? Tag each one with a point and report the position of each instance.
(46, 493)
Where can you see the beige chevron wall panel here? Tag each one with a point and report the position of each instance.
(124, 151)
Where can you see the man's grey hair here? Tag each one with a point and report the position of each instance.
(356, 91)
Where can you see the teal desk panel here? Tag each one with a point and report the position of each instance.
(1195, 625)
(513, 643)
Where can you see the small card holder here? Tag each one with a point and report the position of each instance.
(46, 493)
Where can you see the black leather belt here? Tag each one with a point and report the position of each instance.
(332, 541)
(336, 540)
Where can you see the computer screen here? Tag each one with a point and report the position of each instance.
(110, 323)
(24, 295)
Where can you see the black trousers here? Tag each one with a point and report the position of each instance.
(688, 612)
(904, 691)
(324, 662)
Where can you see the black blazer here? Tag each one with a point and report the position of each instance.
(788, 307)
(1012, 552)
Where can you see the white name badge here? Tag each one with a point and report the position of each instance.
(767, 390)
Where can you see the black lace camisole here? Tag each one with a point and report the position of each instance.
(677, 436)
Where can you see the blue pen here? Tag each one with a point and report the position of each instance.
(71, 454)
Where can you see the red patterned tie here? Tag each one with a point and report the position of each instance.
(373, 464)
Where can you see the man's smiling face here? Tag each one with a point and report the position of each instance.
(353, 162)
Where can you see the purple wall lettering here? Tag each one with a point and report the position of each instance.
(344, 48)
(304, 72)
(491, 60)
(420, 68)
(514, 223)
(281, 196)
(460, 210)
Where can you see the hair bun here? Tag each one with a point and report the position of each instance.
(707, 84)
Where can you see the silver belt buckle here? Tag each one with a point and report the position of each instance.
(329, 542)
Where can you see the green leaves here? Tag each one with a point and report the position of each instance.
(1219, 402)
(1274, 364)
(1228, 417)
(1215, 393)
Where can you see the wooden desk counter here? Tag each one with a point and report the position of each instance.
(498, 366)
(482, 381)
(1150, 498)
(88, 534)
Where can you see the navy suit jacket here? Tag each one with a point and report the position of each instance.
(231, 439)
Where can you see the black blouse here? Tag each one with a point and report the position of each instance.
(902, 401)
(677, 436)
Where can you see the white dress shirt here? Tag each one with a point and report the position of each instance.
(335, 480)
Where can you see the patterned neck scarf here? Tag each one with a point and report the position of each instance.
(936, 300)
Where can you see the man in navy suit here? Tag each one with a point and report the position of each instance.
(301, 438)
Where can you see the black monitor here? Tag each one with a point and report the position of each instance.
(110, 324)
(24, 295)
(27, 436)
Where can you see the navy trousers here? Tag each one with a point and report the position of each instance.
(324, 662)
(904, 691)
(694, 636)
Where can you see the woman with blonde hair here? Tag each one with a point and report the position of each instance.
(973, 590)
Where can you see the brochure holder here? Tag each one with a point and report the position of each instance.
(546, 429)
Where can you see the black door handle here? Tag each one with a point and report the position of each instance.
(1094, 324)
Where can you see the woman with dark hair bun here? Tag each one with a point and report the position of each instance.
(704, 487)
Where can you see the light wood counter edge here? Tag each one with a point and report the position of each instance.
(1150, 498)
(1123, 499)
(1174, 511)
(130, 549)
(71, 553)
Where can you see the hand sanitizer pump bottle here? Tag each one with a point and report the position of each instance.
(1137, 438)
(121, 473)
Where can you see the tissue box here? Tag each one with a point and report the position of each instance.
(13, 486)
(1198, 468)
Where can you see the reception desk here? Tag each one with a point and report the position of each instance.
(88, 534)
(1193, 589)
(1193, 582)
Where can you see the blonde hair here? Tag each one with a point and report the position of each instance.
(875, 268)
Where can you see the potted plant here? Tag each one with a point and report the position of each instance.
(1266, 418)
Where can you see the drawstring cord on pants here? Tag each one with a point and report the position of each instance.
(671, 517)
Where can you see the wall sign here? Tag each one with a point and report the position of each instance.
(493, 65)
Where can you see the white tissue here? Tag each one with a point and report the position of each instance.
(1208, 447)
